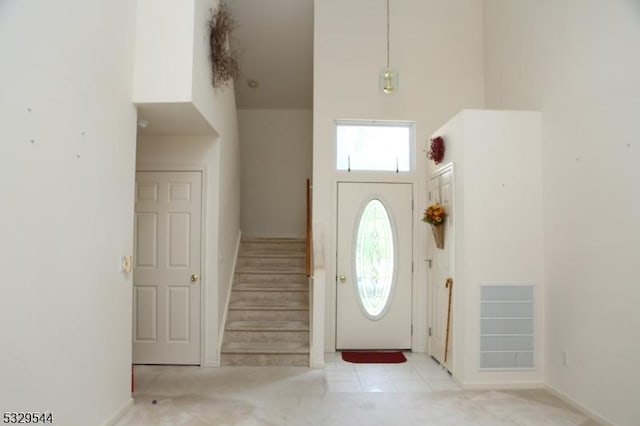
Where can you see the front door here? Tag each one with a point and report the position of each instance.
(441, 311)
(166, 282)
(374, 260)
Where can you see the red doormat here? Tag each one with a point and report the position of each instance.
(374, 357)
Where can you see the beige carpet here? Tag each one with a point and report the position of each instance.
(337, 395)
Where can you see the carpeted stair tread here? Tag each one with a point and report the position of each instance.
(266, 286)
(271, 254)
(268, 305)
(265, 348)
(277, 325)
(273, 247)
(242, 269)
(270, 276)
(272, 258)
(273, 240)
(268, 313)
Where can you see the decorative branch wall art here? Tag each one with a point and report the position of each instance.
(224, 61)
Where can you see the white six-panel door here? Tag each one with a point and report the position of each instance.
(374, 249)
(441, 191)
(166, 274)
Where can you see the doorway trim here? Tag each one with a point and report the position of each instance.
(202, 169)
(416, 176)
(418, 305)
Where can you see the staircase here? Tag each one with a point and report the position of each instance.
(268, 313)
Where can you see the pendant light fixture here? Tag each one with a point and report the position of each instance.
(388, 79)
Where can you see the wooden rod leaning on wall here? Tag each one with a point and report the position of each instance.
(448, 284)
(308, 242)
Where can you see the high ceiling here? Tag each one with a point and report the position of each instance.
(275, 42)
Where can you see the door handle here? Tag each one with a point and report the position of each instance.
(194, 278)
(343, 278)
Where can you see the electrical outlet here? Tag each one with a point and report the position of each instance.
(565, 359)
(125, 264)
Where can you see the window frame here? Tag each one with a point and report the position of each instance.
(410, 125)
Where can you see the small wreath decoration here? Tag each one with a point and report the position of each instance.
(436, 150)
(224, 61)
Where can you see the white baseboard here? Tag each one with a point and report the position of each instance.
(118, 414)
(227, 298)
(498, 385)
(210, 364)
(457, 380)
(578, 406)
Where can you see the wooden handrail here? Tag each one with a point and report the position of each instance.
(308, 251)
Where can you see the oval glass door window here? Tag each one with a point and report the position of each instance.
(374, 259)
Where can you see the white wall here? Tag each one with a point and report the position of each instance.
(172, 75)
(164, 51)
(498, 229)
(66, 164)
(202, 91)
(228, 194)
(276, 161)
(577, 61)
(437, 47)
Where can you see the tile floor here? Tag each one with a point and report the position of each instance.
(417, 392)
(419, 374)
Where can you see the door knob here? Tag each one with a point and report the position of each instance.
(343, 278)
(194, 278)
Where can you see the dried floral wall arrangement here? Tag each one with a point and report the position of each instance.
(435, 215)
(436, 150)
(224, 60)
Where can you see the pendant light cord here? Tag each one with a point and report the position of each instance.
(388, 34)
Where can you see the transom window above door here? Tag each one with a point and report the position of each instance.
(374, 146)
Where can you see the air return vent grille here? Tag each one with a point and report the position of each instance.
(507, 326)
